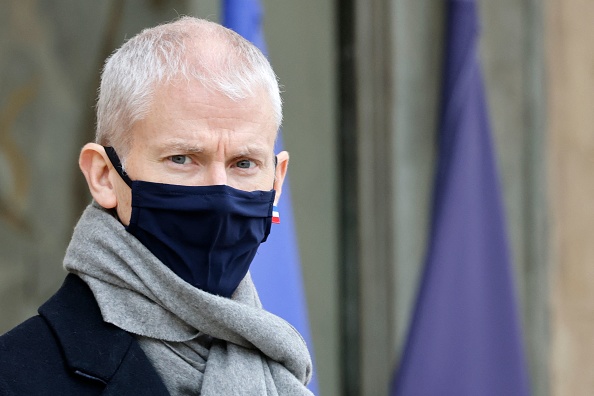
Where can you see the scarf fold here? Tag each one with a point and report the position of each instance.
(253, 352)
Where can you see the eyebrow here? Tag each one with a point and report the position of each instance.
(250, 151)
(180, 146)
(186, 148)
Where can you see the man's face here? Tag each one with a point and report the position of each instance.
(194, 137)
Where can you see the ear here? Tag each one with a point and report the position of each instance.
(280, 172)
(95, 165)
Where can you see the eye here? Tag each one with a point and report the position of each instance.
(244, 164)
(180, 159)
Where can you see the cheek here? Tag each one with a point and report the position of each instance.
(266, 183)
(262, 183)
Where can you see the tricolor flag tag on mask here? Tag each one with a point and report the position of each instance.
(275, 215)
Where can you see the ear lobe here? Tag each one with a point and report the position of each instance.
(280, 173)
(94, 164)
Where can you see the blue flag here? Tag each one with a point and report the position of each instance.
(275, 270)
(465, 337)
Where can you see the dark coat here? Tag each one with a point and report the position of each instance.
(69, 350)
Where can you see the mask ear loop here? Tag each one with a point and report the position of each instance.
(117, 164)
(275, 164)
(275, 213)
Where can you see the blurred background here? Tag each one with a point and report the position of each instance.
(361, 102)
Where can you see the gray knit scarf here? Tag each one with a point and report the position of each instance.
(229, 346)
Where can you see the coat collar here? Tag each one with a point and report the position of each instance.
(93, 348)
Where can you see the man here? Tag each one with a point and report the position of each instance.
(158, 299)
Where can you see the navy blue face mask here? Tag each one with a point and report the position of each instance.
(207, 235)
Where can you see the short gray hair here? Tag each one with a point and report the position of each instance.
(190, 48)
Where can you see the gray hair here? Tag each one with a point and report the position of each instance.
(190, 48)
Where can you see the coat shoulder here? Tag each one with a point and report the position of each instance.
(68, 350)
(25, 343)
(31, 362)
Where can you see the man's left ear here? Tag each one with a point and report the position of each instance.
(282, 163)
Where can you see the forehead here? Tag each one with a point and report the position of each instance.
(189, 113)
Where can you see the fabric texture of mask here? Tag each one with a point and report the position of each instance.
(207, 235)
